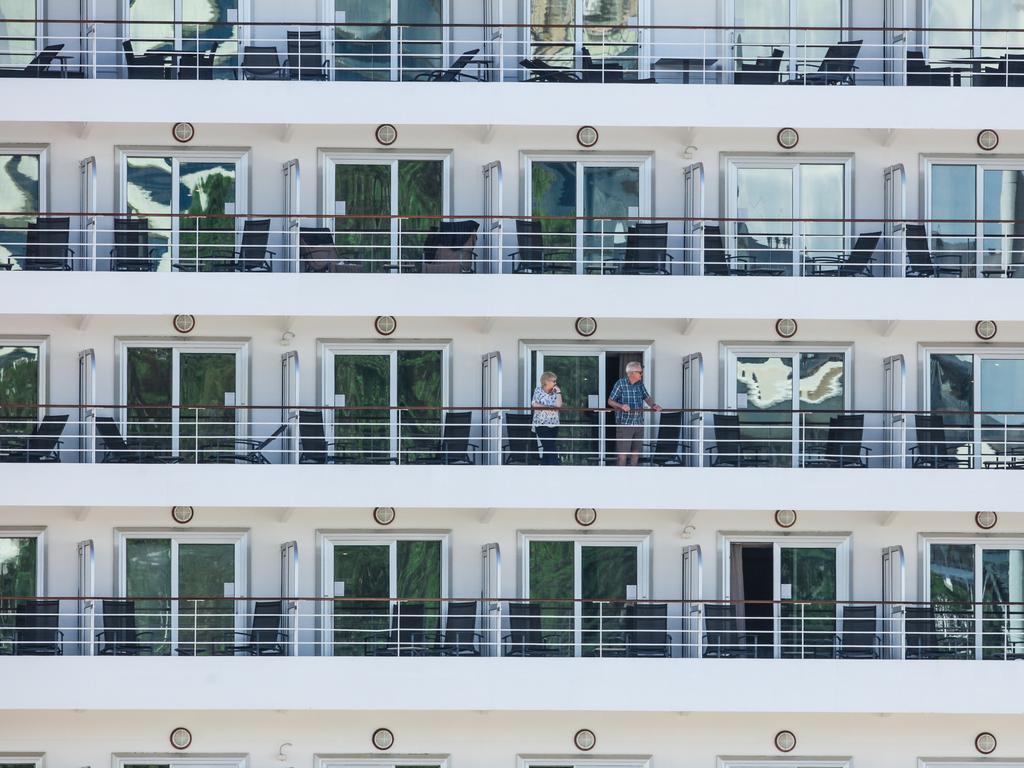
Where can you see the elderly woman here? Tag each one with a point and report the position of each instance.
(547, 399)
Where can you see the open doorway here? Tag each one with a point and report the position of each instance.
(615, 367)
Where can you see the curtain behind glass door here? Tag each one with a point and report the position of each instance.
(611, 196)
(156, 35)
(605, 574)
(19, 386)
(364, 572)
(764, 400)
(148, 188)
(808, 628)
(18, 569)
(20, 196)
(206, 623)
(206, 239)
(148, 580)
(206, 427)
(362, 39)
(764, 197)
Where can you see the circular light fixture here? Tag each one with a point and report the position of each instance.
(986, 520)
(584, 739)
(785, 741)
(586, 326)
(986, 330)
(985, 743)
(587, 136)
(585, 516)
(386, 134)
(181, 738)
(385, 325)
(183, 133)
(988, 139)
(184, 323)
(182, 515)
(786, 327)
(383, 739)
(383, 515)
(785, 518)
(788, 138)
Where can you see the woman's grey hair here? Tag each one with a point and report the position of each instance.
(547, 376)
(634, 366)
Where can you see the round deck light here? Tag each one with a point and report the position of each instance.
(786, 327)
(587, 136)
(584, 739)
(184, 323)
(183, 133)
(386, 134)
(183, 515)
(181, 738)
(586, 326)
(383, 739)
(785, 518)
(788, 138)
(785, 741)
(385, 325)
(986, 520)
(986, 330)
(383, 515)
(985, 743)
(585, 516)
(988, 139)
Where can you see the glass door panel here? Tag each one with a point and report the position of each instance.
(421, 198)
(952, 587)
(1003, 226)
(20, 197)
(18, 579)
(19, 386)
(764, 206)
(363, 192)
(552, 584)
(206, 615)
(1002, 23)
(209, 22)
(152, 25)
(579, 379)
(807, 574)
(611, 33)
(362, 39)
(823, 200)
(148, 581)
(206, 192)
(954, 207)
(753, 40)
(362, 572)
(148, 396)
(1002, 584)
(950, 23)
(764, 399)
(554, 200)
(1001, 425)
(606, 573)
(552, 34)
(610, 195)
(365, 382)
(17, 35)
(420, 44)
(149, 188)
(951, 391)
(818, 24)
(418, 565)
(420, 394)
(207, 384)
(822, 388)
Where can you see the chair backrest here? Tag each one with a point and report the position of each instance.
(716, 260)
(119, 627)
(931, 433)
(863, 250)
(720, 623)
(271, 437)
(131, 241)
(109, 434)
(43, 441)
(459, 234)
(46, 242)
(457, 66)
(455, 435)
(265, 630)
(916, 62)
(312, 441)
(42, 60)
(36, 623)
(305, 54)
(253, 248)
(317, 248)
(460, 623)
(841, 57)
(524, 626)
(843, 441)
(919, 254)
(129, 52)
(407, 623)
(727, 437)
(522, 442)
(646, 246)
(260, 60)
(530, 243)
(920, 635)
(670, 432)
(772, 63)
(859, 629)
(646, 626)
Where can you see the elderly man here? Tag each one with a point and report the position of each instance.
(627, 400)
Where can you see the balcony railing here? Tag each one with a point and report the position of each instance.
(306, 50)
(467, 436)
(496, 244)
(380, 627)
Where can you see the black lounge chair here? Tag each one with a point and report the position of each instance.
(46, 244)
(252, 254)
(647, 631)
(764, 71)
(526, 635)
(836, 68)
(858, 637)
(856, 263)
(36, 630)
(449, 248)
(314, 448)
(42, 445)
(922, 638)
(664, 452)
(935, 449)
(533, 257)
(319, 253)
(306, 56)
(542, 72)
(919, 255)
(454, 72)
(134, 450)
(453, 446)
(261, 62)
(647, 250)
(199, 65)
(265, 637)
(718, 263)
(722, 638)
(920, 73)
(120, 636)
(39, 66)
(407, 635)
(842, 446)
(730, 450)
(146, 66)
(131, 251)
(460, 635)
(520, 440)
(253, 453)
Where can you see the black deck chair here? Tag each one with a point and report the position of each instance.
(856, 263)
(407, 635)
(319, 253)
(858, 637)
(454, 72)
(922, 638)
(314, 447)
(920, 73)
(306, 55)
(253, 449)
(717, 261)
(664, 452)
(836, 68)
(460, 635)
(525, 633)
(36, 630)
(729, 449)
(39, 66)
(131, 251)
(265, 637)
(42, 445)
(133, 450)
(449, 248)
(120, 635)
(764, 71)
(919, 255)
(46, 244)
(647, 249)
(199, 65)
(261, 62)
(252, 254)
(935, 449)
(145, 66)
(533, 257)
(647, 631)
(842, 446)
(542, 72)
(453, 446)
(520, 440)
(722, 638)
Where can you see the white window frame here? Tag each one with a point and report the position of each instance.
(732, 163)
(731, 352)
(33, 759)
(178, 761)
(643, 161)
(783, 762)
(327, 540)
(329, 159)
(578, 761)
(39, 534)
(43, 343)
(328, 349)
(238, 347)
(240, 156)
(370, 761)
(980, 163)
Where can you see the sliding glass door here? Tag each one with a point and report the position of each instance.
(22, 197)
(186, 25)
(802, 30)
(959, 30)
(610, 31)
(388, 39)
(183, 400)
(22, 385)
(21, 576)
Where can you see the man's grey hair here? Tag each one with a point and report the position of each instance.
(634, 366)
